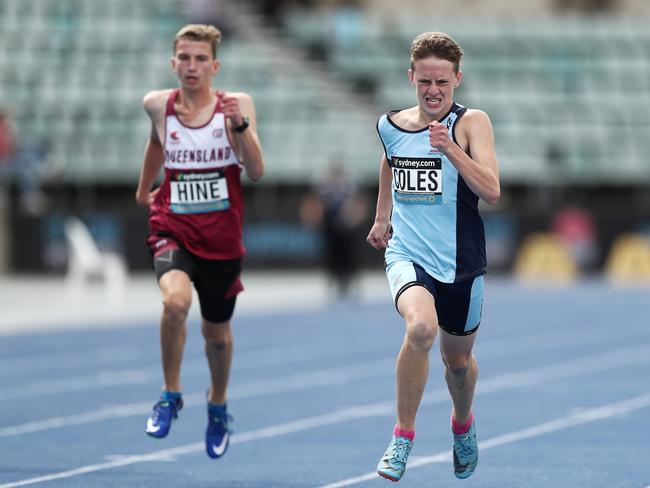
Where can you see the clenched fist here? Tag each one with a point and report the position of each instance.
(231, 109)
(439, 136)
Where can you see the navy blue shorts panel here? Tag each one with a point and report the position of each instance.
(458, 305)
(217, 282)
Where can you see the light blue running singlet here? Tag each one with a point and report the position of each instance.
(435, 219)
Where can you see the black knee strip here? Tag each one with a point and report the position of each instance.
(406, 287)
(456, 333)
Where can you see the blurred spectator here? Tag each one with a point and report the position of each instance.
(577, 229)
(211, 12)
(7, 138)
(500, 237)
(22, 162)
(337, 209)
(274, 10)
(586, 6)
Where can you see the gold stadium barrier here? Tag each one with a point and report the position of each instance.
(544, 257)
(629, 260)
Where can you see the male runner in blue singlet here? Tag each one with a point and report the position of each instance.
(439, 160)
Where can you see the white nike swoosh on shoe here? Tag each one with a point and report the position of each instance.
(221, 448)
(151, 427)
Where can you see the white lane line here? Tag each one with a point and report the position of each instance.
(67, 359)
(574, 368)
(249, 358)
(568, 369)
(584, 417)
(252, 359)
(311, 379)
(95, 381)
(267, 432)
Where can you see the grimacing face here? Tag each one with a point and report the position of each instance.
(193, 63)
(434, 80)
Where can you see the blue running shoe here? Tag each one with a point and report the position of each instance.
(161, 419)
(217, 434)
(393, 464)
(465, 453)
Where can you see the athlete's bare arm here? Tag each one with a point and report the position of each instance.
(154, 104)
(475, 135)
(380, 232)
(235, 107)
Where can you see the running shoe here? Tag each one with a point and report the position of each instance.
(393, 464)
(217, 434)
(164, 412)
(465, 453)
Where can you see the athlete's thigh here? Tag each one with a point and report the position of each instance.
(413, 292)
(176, 282)
(169, 255)
(174, 267)
(452, 345)
(217, 284)
(417, 306)
(404, 274)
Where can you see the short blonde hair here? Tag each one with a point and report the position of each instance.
(200, 32)
(436, 44)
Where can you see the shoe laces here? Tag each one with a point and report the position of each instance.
(164, 410)
(219, 424)
(401, 449)
(464, 445)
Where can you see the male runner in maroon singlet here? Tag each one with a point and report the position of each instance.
(203, 138)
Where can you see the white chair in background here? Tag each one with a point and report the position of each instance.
(86, 263)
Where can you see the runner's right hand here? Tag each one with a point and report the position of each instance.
(147, 199)
(379, 235)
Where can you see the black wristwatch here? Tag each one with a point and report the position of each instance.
(244, 125)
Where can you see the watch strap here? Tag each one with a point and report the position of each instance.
(244, 125)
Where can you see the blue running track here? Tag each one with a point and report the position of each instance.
(563, 399)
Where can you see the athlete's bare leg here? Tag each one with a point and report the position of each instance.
(176, 289)
(461, 372)
(417, 307)
(218, 349)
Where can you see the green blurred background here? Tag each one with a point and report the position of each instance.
(566, 84)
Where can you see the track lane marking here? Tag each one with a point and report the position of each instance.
(567, 369)
(584, 417)
(592, 364)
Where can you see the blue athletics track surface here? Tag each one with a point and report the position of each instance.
(563, 399)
